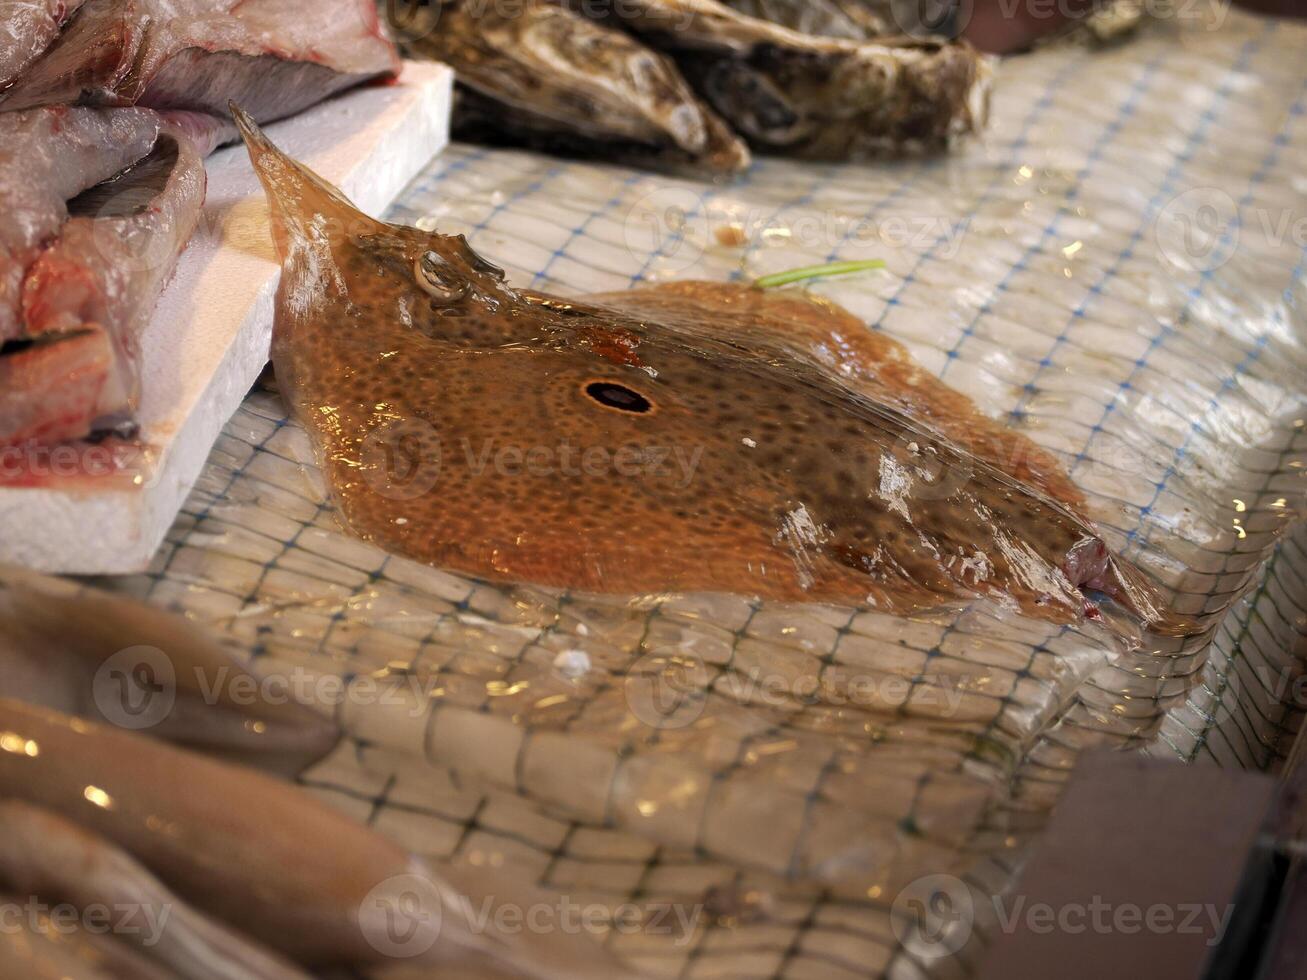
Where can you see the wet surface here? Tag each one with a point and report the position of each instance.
(788, 767)
(685, 437)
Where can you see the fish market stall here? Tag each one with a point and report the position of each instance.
(709, 533)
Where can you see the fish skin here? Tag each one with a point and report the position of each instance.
(48, 156)
(42, 950)
(27, 28)
(875, 364)
(198, 54)
(804, 487)
(248, 850)
(87, 295)
(52, 859)
(205, 130)
(241, 846)
(56, 639)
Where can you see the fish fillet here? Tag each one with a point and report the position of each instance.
(46, 159)
(78, 281)
(198, 54)
(76, 288)
(27, 28)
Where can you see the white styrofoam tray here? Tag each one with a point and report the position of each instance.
(209, 336)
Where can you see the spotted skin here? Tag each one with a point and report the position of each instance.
(694, 436)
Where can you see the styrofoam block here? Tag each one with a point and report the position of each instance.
(209, 336)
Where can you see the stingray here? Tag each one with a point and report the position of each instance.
(684, 437)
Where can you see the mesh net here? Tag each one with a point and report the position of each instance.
(1116, 271)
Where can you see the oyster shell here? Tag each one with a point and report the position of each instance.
(538, 74)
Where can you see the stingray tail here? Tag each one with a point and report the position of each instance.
(303, 207)
(1091, 566)
(1128, 586)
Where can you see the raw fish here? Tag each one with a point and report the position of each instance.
(88, 283)
(27, 27)
(262, 857)
(85, 652)
(652, 441)
(52, 860)
(47, 158)
(198, 54)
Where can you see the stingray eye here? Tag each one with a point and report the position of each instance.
(618, 397)
(437, 279)
(479, 264)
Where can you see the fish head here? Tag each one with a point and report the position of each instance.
(438, 270)
(321, 237)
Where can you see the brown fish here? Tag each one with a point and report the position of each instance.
(247, 851)
(691, 437)
(29, 28)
